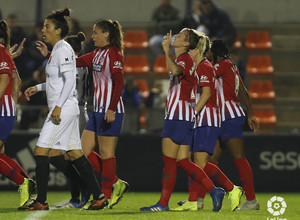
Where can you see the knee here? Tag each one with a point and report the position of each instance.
(74, 154)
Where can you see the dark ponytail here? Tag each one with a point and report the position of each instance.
(58, 18)
(5, 34)
(115, 33)
(76, 41)
(219, 49)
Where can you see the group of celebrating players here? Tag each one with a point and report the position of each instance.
(202, 110)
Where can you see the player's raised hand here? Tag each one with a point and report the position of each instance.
(42, 47)
(166, 42)
(19, 50)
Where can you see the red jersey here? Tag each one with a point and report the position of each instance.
(228, 81)
(209, 115)
(7, 65)
(181, 91)
(106, 62)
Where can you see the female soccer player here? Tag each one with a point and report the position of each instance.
(207, 129)
(105, 123)
(61, 130)
(178, 127)
(231, 91)
(9, 93)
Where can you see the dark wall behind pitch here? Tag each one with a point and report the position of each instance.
(275, 160)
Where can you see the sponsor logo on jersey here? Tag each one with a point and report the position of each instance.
(117, 65)
(204, 79)
(4, 65)
(67, 62)
(97, 67)
(181, 63)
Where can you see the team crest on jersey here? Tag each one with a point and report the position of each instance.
(117, 65)
(4, 65)
(97, 67)
(204, 79)
(181, 63)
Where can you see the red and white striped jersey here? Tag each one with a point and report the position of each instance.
(228, 81)
(181, 94)
(7, 65)
(209, 115)
(105, 62)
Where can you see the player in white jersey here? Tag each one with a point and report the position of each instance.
(231, 91)
(179, 121)
(61, 129)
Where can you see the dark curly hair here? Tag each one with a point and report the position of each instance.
(5, 34)
(219, 49)
(76, 41)
(58, 18)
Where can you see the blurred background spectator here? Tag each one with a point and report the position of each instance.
(192, 19)
(17, 34)
(132, 100)
(217, 22)
(165, 17)
(37, 106)
(34, 59)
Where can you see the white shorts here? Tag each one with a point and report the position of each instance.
(64, 136)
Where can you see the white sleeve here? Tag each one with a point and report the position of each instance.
(41, 87)
(65, 59)
(69, 82)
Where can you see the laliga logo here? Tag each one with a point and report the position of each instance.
(276, 205)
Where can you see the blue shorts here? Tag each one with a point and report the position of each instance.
(181, 132)
(97, 124)
(6, 126)
(232, 128)
(205, 139)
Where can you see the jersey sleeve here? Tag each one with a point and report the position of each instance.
(65, 59)
(186, 64)
(116, 61)
(85, 60)
(116, 67)
(5, 62)
(205, 76)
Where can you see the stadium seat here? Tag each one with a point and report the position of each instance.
(261, 90)
(160, 66)
(136, 65)
(136, 40)
(258, 40)
(260, 65)
(238, 43)
(265, 114)
(143, 87)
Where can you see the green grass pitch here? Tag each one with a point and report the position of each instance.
(128, 208)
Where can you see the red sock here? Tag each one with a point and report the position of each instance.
(96, 161)
(217, 175)
(13, 164)
(9, 172)
(196, 173)
(108, 173)
(201, 191)
(194, 190)
(168, 179)
(246, 177)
